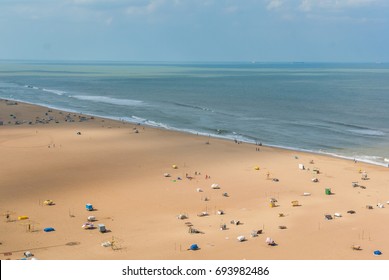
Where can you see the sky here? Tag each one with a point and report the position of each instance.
(196, 30)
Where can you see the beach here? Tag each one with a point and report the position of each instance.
(120, 168)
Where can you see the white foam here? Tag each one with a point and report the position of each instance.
(368, 132)
(109, 100)
(55, 91)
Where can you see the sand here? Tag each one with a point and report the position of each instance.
(121, 173)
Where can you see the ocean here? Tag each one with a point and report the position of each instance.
(328, 108)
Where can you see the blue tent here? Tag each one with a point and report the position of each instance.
(89, 207)
(48, 229)
(377, 252)
(193, 247)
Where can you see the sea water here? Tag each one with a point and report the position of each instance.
(336, 109)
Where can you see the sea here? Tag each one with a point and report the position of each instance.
(337, 109)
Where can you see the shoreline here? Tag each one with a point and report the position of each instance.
(120, 168)
(214, 136)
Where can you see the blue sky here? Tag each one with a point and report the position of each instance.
(196, 30)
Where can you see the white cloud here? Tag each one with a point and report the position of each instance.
(151, 7)
(274, 4)
(231, 9)
(308, 5)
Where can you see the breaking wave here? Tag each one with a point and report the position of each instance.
(110, 100)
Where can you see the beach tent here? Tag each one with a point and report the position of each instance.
(28, 254)
(215, 186)
(377, 252)
(301, 166)
(91, 218)
(328, 191)
(88, 225)
(174, 166)
(270, 241)
(256, 168)
(273, 202)
(22, 218)
(241, 238)
(295, 203)
(48, 202)
(182, 217)
(194, 247)
(89, 207)
(48, 229)
(102, 228)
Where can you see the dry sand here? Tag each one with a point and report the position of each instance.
(122, 174)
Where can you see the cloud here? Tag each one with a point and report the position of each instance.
(309, 5)
(231, 9)
(274, 4)
(151, 7)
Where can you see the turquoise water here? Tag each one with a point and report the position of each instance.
(338, 109)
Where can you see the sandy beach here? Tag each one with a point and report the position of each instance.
(120, 169)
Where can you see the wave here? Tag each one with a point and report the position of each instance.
(367, 132)
(55, 91)
(109, 100)
(193, 106)
(351, 126)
